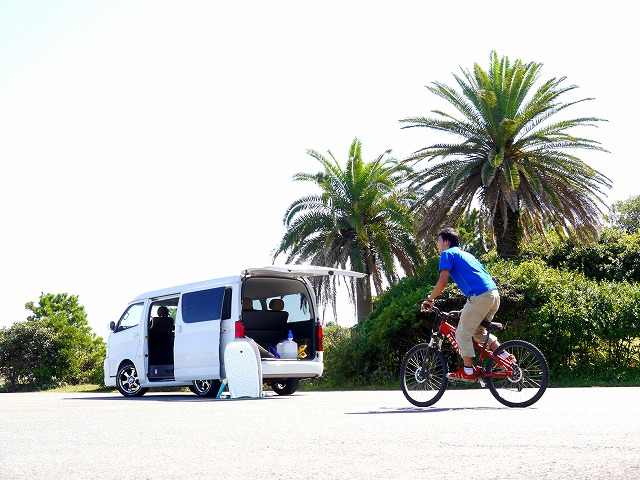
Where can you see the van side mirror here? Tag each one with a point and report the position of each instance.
(112, 326)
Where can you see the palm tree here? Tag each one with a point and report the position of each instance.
(511, 158)
(359, 221)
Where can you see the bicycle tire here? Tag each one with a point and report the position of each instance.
(427, 390)
(529, 380)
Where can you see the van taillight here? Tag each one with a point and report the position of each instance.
(319, 347)
(239, 330)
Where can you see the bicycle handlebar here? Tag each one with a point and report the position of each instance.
(438, 312)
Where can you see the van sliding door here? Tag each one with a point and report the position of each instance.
(197, 340)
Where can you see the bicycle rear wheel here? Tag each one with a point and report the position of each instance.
(423, 390)
(529, 379)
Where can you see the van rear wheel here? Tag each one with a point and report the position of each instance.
(206, 388)
(128, 382)
(286, 386)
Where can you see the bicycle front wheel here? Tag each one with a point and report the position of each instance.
(423, 389)
(529, 379)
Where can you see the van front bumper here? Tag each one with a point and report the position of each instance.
(108, 381)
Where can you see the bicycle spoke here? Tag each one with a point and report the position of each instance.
(529, 377)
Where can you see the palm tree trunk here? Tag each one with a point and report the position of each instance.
(507, 239)
(363, 298)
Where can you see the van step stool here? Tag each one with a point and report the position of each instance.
(243, 368)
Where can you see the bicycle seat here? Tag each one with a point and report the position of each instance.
(491, 326)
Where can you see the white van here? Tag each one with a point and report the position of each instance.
(177, 336)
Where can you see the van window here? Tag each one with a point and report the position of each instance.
(256, 304)
(172, 308)
(203, 305)
(226, 303)
(297, 305)
(130, 318)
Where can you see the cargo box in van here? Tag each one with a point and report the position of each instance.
(177, 336)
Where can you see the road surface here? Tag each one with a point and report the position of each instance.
(582, 433)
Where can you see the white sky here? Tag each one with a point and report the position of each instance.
(152, 143)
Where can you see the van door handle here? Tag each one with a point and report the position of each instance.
(179, 328)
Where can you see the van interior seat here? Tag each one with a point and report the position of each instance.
(266, 327)
(247, 303)
(276, 305)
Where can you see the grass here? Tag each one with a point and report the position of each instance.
(85, 388)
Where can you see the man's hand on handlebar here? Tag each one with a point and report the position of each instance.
(426, 305)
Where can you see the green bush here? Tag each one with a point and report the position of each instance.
(28, 355)
(53, 347)
(576, 321)
(616, 257)
(350, 361)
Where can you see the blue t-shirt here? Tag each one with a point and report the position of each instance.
(468, 273)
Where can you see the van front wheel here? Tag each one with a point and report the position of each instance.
(128, 382)
(206, 388)
(286, 387)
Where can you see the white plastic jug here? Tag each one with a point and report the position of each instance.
(288, 348)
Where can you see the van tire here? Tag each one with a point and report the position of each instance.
(286, 386)
(205, 388)
(128, 382)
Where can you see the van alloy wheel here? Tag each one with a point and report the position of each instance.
(206, 388)
(128, 382)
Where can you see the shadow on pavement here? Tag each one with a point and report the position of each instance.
(425, 410)
(164, 398)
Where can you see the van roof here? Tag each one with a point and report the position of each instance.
(175, 290)
(284, 271)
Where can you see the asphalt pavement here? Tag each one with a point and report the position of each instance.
(582, 433)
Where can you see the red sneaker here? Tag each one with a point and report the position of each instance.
(461, 376)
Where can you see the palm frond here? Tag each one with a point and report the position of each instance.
(512, 155)
(358, 220)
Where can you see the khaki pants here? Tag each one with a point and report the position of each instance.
(478, 308)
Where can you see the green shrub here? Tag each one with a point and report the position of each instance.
(576, 321)
(616, 257)
(349, 360)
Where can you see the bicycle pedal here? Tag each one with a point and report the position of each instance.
(481, 382)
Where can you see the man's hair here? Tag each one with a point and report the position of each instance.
(451, 235)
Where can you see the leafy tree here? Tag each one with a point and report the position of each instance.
(512, 157)
(472, 236)
(62, 303)
(625, 214)
(359, 221)
(28, 354)
(79, 352)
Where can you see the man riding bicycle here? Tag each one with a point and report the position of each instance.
(483, 299)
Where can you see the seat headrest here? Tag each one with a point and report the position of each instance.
(276, 304)
(247, 303)
(163, 311)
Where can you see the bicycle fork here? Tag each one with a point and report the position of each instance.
(435, 342)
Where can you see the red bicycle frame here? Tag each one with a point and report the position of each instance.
(448, 331)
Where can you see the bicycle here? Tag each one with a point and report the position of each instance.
(514, 383)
